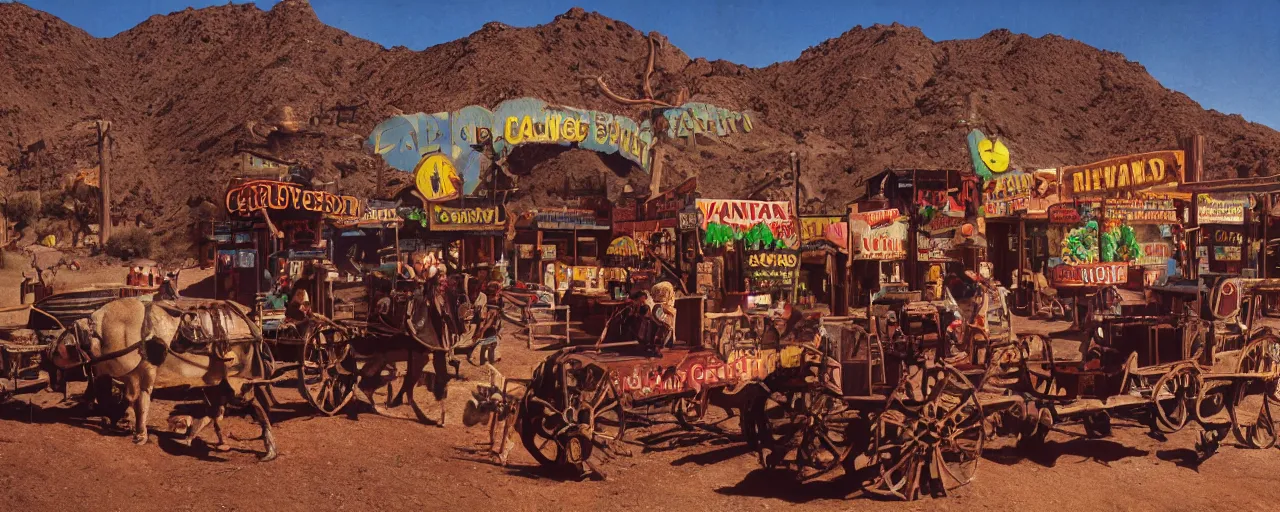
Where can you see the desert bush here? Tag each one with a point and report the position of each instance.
(23, 208)
(131, 243)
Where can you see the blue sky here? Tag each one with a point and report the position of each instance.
(1223, 54)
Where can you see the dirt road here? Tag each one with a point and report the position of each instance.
(51, 458)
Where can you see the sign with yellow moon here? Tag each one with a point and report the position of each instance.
(989, 156)
(437, 179)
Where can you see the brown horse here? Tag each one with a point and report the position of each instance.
(419, 335)
(211, 345)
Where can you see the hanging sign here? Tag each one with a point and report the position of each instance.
(1141, 211)
(1210, 210)
(1090, 274)
(548, 251)
(744, 215)
(1007, 194)
(479, 218)
(1155, 254)
(878, 235)
(1133, 172)
(770, 270)
(256, 195)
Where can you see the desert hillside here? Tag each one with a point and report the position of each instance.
(181, 88)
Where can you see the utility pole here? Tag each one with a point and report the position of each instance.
(795, 205)
(104, 179)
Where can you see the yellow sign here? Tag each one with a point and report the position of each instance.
(994, 154)
(437, 179)
(1125, 173)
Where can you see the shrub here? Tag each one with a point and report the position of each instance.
(23, 207)
(131, 243)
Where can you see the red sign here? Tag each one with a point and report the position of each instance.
(1091, 274)
(1063, 213)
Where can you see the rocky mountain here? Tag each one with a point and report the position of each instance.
(183, 89)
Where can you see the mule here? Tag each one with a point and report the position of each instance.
(212, 346)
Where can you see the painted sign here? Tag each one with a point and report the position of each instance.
(1226, 253)
(770, 270)
(437, 179)
(257, 195)
(1006, 194)
(548, 251)
(688, 221)
(814, 229)
(744, 215)
(524, 251)
(1224, 236)
(1141, 211)
(700, 118)
(566, 219)
(1155, 254)
(1133, 172)
(660, 376)
(1063, 213)
(479, 218)
(1091, 274)
(933, 248)
(878, 235)
(1211, 210)
(990, 157)
(941, 224)
(377, 214)
(464, 136)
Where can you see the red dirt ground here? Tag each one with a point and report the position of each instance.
(51, 458)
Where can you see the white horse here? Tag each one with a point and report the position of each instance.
(212, 346)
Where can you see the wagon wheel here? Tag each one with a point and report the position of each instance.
(930, 436)
(1250, 409)
(1262, 356)
(808, 433)
(538, 426)
(1038, 349)
(1171, 398)
(592, 423)
(689, 410)
(320, 380)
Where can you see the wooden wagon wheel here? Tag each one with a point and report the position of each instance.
(808, 433)
(590, 427)
(1250, 408)
(1172, 395)
(1262, 355)
(930, 436)
(321, 380)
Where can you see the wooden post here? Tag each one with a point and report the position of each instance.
(104, 180)
(1193, 147)
(1263, 268)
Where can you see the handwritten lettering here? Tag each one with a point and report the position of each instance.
(278, 195)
